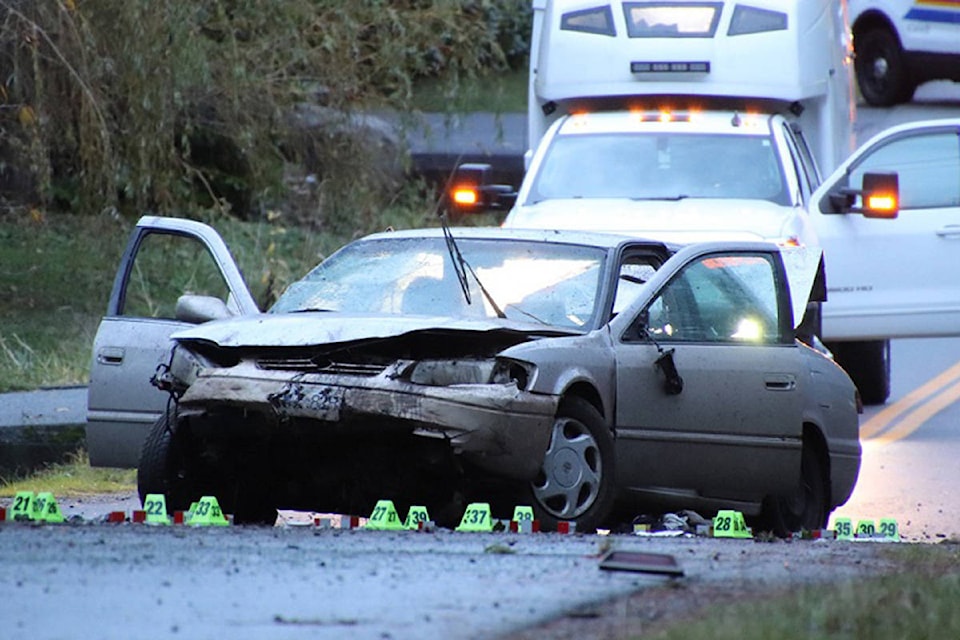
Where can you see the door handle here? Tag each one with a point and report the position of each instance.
(110, 355)
(949, 231)
(780, 382)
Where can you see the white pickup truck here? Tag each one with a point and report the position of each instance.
(688, 121)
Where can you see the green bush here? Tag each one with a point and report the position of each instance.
(171, 106)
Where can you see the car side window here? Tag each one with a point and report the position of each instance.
(165, 267)
(726, 298)
(928, 166)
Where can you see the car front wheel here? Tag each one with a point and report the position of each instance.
(164, 467)
(575, 483)
(806, 508)
(171, 464)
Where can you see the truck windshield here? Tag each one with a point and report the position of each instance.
(660, 166)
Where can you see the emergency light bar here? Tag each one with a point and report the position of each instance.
(670, 67)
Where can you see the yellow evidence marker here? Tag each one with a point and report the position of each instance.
(730, 524)
(384, 517)
(155, 505)
(866, 529)
(521, 513)
(843, 528)
(415, 515)
(46, 509)
(22, 508)
(476, 518)
(889, 529)
(208, 513)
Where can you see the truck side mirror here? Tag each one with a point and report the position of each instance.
(471, 190)
(879, 197)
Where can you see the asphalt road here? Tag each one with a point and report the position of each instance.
(136, 581)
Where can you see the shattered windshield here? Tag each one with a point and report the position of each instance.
(551, 284)
(660, 166)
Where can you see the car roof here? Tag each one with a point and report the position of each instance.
(604, 240)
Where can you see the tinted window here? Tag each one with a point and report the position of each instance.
(747, 20)
(596, 20)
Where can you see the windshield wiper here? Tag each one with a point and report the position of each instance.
(461, 267)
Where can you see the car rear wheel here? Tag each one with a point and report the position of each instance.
(806, 508)
(576, 481)
(880, 68)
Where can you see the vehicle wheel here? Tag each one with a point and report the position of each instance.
(163, 467)
(880, 69)
(806, 509)
(868, 365)
(576, 482)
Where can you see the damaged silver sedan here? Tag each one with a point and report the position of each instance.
(583, 374)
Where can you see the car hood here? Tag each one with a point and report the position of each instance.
(684, 221)
(319, 328)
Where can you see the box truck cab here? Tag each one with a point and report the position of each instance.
(900, 44)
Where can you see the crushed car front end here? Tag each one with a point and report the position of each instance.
(379, 416)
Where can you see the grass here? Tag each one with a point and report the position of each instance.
(501, 92)
(55, 284)
(75, 477)
(916, 602)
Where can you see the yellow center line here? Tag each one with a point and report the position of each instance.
(884, 418)
(918, 416)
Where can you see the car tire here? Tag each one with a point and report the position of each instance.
(576, 482)
(163, 467)
(881, 69)
(806, 509)
(868, 365)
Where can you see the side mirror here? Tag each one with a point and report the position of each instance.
(879, 197)
(199, 309)
(672, 380)
(471, 190)
(642, 324)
